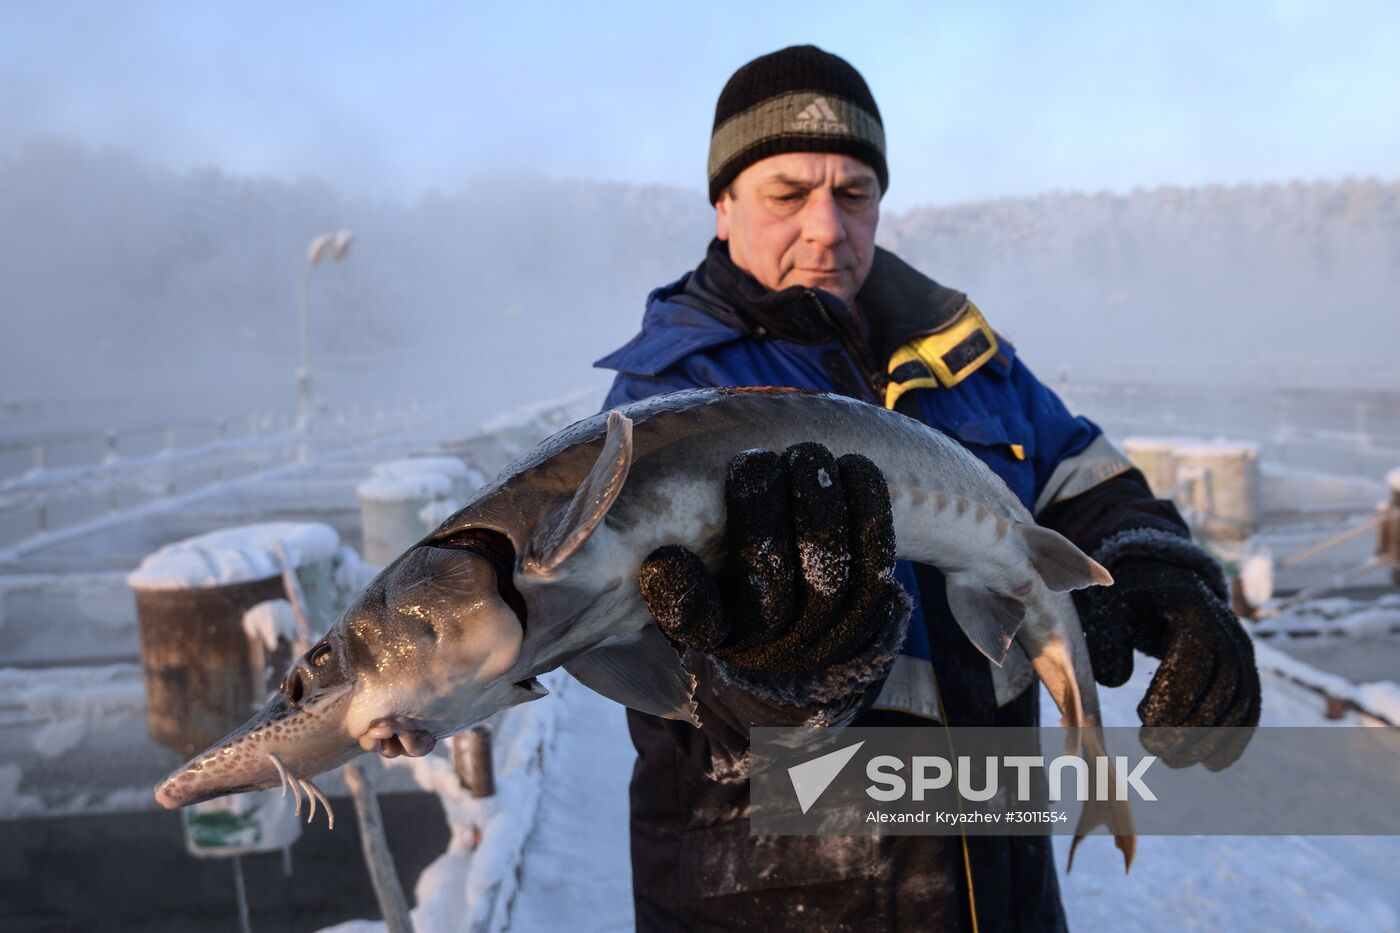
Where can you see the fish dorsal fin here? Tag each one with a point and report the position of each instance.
(1060, 564)
(563, 531)
(641, 671)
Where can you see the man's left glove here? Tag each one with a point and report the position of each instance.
(1207, 678)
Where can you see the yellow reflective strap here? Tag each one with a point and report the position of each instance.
(895, 389)
(958, 350)
(913, 371)
(1018, 451)
(944, 358)
(905, 354)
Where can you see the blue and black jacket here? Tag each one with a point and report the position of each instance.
(926, 351)
(718, 327)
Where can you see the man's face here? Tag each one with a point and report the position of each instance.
(803, 218)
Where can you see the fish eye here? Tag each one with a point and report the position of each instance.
(319, 655)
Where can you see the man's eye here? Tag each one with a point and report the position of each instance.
(789, 198)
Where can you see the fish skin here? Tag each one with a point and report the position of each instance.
(451, 653)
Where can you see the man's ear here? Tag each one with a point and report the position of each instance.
(722, 216)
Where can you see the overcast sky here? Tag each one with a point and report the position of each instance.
(979, 99)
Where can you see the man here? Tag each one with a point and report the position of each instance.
(793, 292)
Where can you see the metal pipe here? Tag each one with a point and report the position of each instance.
(393, 906)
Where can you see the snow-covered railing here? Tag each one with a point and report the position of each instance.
(91, 475)
(1334, 617)
(1379, 700)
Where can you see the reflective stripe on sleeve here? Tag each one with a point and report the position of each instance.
(1098, 462)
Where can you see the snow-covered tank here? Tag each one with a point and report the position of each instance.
(204, 653)
(1156, 458)
(1219, 482)
(405, 499)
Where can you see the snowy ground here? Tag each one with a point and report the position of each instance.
(1233, 882)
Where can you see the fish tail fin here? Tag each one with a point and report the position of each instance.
(1060, 564)
(1073, 720)
(1114, 813)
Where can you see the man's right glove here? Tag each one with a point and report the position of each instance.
(809, 580)
(1207, 677)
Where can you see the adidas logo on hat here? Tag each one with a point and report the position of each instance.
(818, 117)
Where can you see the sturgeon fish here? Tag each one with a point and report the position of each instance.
(539, 570)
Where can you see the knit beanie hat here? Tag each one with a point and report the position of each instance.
(798, 99)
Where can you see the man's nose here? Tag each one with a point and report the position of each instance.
(822, 222)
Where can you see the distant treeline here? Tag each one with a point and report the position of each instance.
(121, 279)
(1290, 284)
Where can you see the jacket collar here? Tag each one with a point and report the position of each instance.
(897, 303)
(902, 303)
(719, 303)
(735, 298)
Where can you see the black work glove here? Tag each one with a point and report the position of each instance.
(1207, 677)
(809, 579)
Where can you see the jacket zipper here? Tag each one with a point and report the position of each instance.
(877, 382)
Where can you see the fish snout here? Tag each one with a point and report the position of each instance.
(168, 794)
(221, 770)
(182, 788)
(285, 737)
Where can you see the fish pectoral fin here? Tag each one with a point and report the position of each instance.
(643, 672)
(561, 533)
(1060, 564)
(989, 620)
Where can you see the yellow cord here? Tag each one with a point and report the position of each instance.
(962, 834)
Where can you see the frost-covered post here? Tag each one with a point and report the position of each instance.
(471, 759)
(393, 905)
(1388, 528)
(168, 450)
(1363, 440)
(334, 245)
(109, 458)
(220, 435)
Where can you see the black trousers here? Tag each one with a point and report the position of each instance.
(696, 867)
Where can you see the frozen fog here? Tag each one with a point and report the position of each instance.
(139, 293)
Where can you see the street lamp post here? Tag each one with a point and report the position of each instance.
(335, 246)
